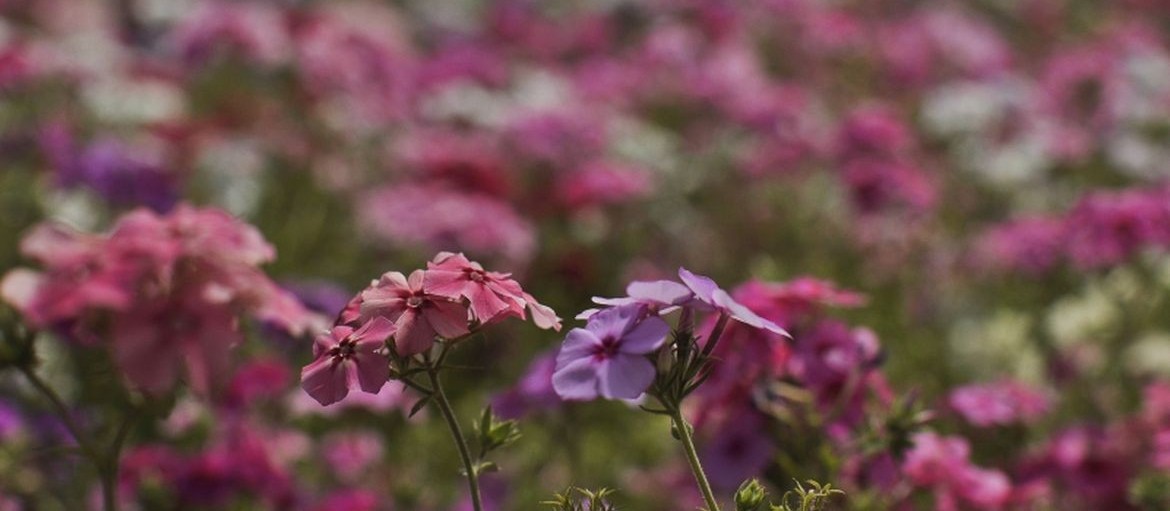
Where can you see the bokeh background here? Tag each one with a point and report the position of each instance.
(977, 188)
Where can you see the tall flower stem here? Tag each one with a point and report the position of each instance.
(457, 434)
(684, 434)
(106, 464)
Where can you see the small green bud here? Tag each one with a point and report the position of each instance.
(750, 496)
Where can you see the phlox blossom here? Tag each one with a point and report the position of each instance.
(607, 358)
(419, 316)
(347, 359)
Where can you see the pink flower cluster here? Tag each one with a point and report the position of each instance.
(943, 464)
(999, 404)
(453, 297)
(1104, 229)
(163, 292)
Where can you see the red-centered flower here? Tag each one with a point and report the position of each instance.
(491, 293)
(419, 316)
(347, 359)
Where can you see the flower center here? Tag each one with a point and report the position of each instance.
(476, 275)
(607, 349)
(343, 351)
(414, 302)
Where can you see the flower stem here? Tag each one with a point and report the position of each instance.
(684, 434)
(105, 464)
(457, 434)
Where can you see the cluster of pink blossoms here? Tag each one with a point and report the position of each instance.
(452, 298)
(163, 291)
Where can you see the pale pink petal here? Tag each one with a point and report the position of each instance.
(324, 382)
(415, 335)
(19, 288)
(373, 370)
(543, 315)
(376, 330)
(446, 283)
(449, 319)
(485, 304)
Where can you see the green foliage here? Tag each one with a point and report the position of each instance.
(752, 496)
(581, 499)
(494, 433)
(814, 498)
(1151, 492)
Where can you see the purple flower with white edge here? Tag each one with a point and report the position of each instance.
(608, 357)
(710, 294)
(659, 297)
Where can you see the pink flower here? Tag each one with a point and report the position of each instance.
(943, 463)
(347, 359)
(351, 454)
(601, 183)
(438, 217)
(165, 291)
(492, 295)
(999, 403)
(418, 315)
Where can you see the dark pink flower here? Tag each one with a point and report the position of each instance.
(348, 359)
(418, 315)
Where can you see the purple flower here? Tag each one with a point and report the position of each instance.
(659, 297)
(740, 449)
(607, 358)
(709, 293)
(533, 392)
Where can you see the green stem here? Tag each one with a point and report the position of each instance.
(457, 434)
(684, 434)
(106, 465)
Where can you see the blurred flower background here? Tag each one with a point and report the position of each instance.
(959, 209)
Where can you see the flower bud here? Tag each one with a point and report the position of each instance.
(750, 496)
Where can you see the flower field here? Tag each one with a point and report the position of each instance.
(636, 255)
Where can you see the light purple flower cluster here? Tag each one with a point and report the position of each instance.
(612, 356)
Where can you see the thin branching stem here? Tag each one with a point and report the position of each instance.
(456, 433)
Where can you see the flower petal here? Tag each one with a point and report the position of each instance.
(449, 319)
(744, 315)
(376, 330)
(373, 370)
(660, 291)
(324, 382)
(625, 376)
(576, 380)
(703, 287)
(415, 334)
(646, 337)
(580, 343)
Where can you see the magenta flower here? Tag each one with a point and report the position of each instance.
(607, 358)
(347, 359)
(417, 315)
(710, 294)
